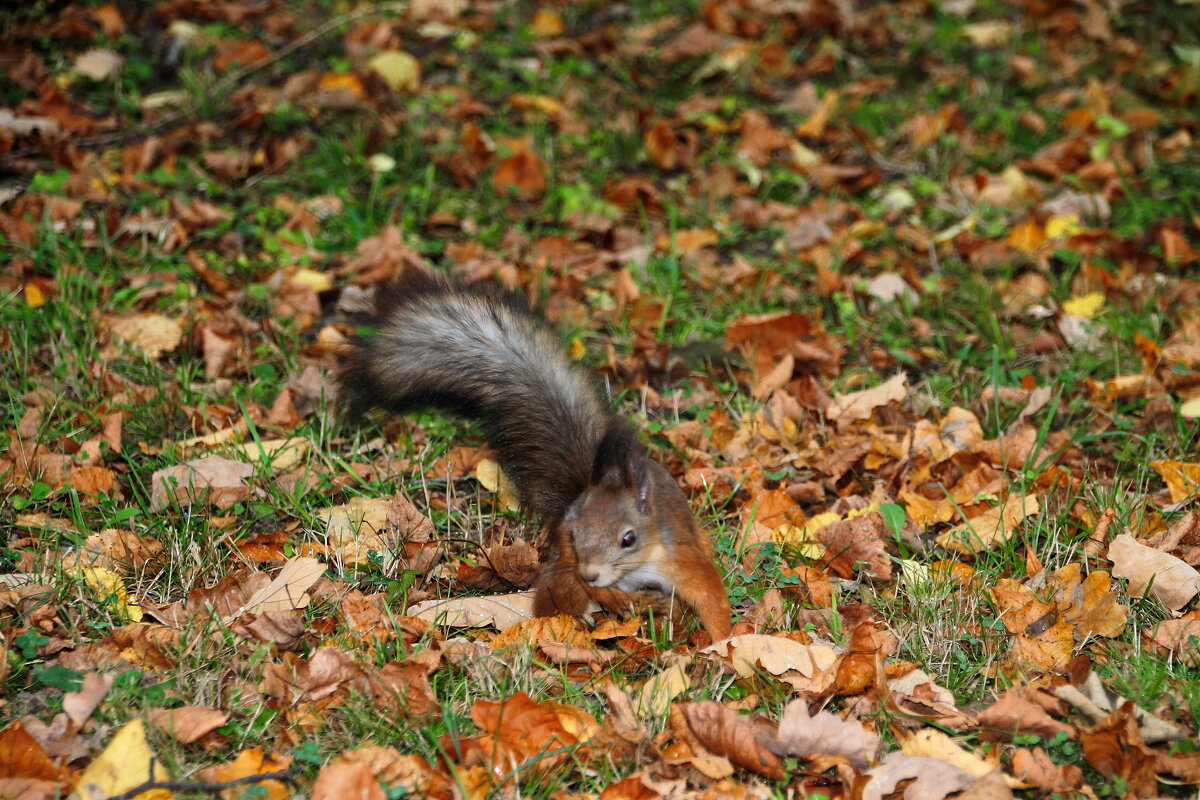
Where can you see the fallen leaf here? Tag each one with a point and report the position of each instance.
(991, 528)
(399, 70)
(1181, 637)
(500, 611)
(340, 780)
(1171, 581)
(219, 481)
(660, 691)
(99, 64)
(846, 408)
(523, 173)
(1182, 478)
(125, 763)
(188, 723)
(289, 589)
(79, 705)
(547, 22)
(724, 731)
(806, 736)
(251, 761)
(789, 660)
(151, 334)
(926, 778)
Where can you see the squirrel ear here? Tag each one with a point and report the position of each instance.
(620, 457)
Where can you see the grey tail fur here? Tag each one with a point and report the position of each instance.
(483, 355)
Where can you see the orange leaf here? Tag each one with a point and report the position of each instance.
(523, 173)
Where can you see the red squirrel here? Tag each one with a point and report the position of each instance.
(619, 522)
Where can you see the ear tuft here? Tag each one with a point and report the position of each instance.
(620, 458)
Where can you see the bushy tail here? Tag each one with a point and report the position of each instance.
(483, 355)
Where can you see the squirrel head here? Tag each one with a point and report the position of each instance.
(630, 513)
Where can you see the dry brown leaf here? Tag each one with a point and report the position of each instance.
(252, 761)
(844, 409)
(216, 480)
(404, 770)
(1036, 768)
(523, 173)
(857, 545)
(724, 731)
(805, 736)
(1171, 581)
(80, 705)
(99, 64)
(403, 688)
(925, 778)
(151, 334)
(519, 730)
(357, 528)
(288, 591)
(564, 629)
(785, 658)
(991, 528)
(935, 744)
(1024, 710)
(294, 680)
(499, 611)
(1181, 637)
(1091, 605)
(188, 723)
(22, 757)
(340, 780)
(657, 694)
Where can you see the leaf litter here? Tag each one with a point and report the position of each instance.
(778, 181)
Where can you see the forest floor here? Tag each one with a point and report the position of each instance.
(905, 295)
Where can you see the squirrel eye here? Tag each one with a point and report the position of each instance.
(628, 538)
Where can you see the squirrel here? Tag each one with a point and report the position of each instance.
(619, 523)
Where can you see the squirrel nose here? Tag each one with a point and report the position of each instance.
(589, 574)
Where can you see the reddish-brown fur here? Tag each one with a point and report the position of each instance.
(616, 514)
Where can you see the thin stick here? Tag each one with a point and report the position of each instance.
(287, 775)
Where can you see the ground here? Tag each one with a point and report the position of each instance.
(905, 296)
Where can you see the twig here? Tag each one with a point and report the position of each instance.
(226, 84)
(288, 775)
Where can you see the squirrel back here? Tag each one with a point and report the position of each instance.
(620, 523)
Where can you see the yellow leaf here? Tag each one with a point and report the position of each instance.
(399, 70)
(109, 586)
(492, 478)
(284, 454)
(547, 22)
(658, 692)
(1016, 180)
(1065, 225)
(802, 540)
(1182, 478)
(1085, 306)
(124, 764)
(1027, 237)
(319, 281)
(1190, 409)
(33, 296)
(578, 350)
